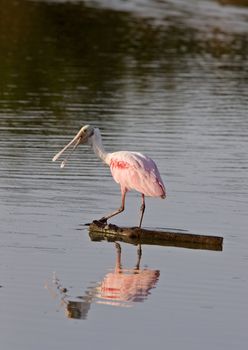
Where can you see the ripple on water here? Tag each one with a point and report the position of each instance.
(186, 107)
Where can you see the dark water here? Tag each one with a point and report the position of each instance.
(168, 78)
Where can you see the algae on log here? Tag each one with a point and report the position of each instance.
(134, 235)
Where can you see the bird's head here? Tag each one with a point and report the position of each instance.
(84, 136)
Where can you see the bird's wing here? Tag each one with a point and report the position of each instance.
(133, 170)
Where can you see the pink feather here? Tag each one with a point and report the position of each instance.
(135, 171)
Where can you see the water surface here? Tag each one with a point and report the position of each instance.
(166, 78)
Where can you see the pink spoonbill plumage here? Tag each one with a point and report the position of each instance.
(131, 170)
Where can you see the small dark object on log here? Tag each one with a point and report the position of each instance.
(99, 231)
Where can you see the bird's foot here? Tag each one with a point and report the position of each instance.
(103, 220)
(100, 222)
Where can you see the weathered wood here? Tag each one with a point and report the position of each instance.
(134, 235)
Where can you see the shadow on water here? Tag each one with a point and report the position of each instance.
(120, 287)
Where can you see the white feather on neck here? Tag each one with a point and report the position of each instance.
(96, 143)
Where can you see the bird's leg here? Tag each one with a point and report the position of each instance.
(118, 211)
(139, 250)
(142, 209)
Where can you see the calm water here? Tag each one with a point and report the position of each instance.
(168, 78)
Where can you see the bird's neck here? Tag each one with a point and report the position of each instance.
(98, 146)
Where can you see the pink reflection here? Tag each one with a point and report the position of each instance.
(122, 287)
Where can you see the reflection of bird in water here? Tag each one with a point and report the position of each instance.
(121, 288)
(132, 170)
(124, 286)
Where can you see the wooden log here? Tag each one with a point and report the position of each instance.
(134, 235)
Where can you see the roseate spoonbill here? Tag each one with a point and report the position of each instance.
(131, 170)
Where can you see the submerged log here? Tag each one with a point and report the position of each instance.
(134, 235)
